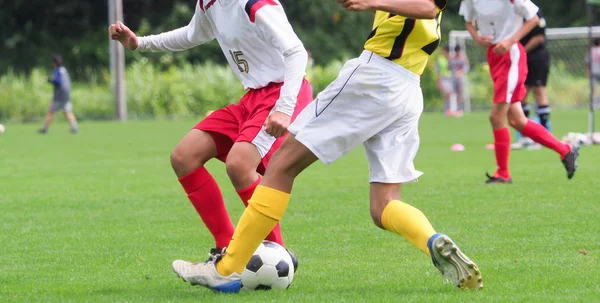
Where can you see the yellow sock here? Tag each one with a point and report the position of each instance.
(409, 222)
(265, 209)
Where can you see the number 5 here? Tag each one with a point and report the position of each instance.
(241, 63)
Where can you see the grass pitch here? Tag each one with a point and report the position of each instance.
(99, 216)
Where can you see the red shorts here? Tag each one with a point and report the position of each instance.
(243, 122)
(509, 72)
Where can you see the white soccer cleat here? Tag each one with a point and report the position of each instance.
(206, 274)
(455, 266)
(523, 142)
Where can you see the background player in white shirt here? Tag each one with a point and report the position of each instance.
(501, 25)
(270, 61)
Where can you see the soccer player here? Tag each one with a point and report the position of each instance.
(270, 61)
(538, 65)
(594, 62)
(61, 98)
(501, 25)
(375, 101)
(444, 79)
(459, 65)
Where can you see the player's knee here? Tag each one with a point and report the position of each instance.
(184, 161)
(376, 217)
(495, 118)
(514, 123)
(517, 121)
(178, 159)
(238, 166)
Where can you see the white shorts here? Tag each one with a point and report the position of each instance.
(373, 102)
(65, 106)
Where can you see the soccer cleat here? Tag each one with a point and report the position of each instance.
(215, 253)
(206, 274)
(294, 259)
(497, 179)
(42, 131)
(522, 143)
(570, 161)
(453, 264)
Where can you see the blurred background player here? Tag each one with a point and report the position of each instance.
(375, 101)
(270, 61)
(444, 79)
(538, 66)
(61, 98)
(501, 25)
(459, 66)
(595, 66)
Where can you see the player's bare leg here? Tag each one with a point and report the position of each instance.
(267, 205)
(289, 161)
(192, 152)
(265, 209)
(535, 131)
(242, 161)
(389, 213)
(188, 159)
(47, 122)
(72, 121)
(241, 164)
(501, 143)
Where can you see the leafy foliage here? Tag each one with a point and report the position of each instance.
(33, 30)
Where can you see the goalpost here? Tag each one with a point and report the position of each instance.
(568, 84)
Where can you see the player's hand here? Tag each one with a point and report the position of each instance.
(119, 32)
(503, 47)
(484, 40)
(357, 5)
(277, 124)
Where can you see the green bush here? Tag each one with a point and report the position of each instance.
(188, 91)
(27, 98)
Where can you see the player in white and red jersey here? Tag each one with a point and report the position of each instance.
(501, 25)
(270, 61)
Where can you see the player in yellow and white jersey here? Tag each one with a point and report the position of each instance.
(376, 101)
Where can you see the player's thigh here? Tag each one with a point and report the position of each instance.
(391, 152)
(291, 158)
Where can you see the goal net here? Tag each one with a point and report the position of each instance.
(568, 84)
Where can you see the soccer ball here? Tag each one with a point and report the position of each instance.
(271, 267)
(2, 129)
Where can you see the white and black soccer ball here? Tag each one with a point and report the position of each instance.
(271, 267)
(2, 129)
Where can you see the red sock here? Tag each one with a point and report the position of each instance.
(502, 148)
(541, 135)
(245, 194)
(205, 195)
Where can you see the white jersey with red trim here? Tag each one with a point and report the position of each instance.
(254, 36)
(500, 19)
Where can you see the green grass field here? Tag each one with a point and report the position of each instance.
(100, 216)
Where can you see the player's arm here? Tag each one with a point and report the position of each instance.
(528, 11)
(56, 79)
(276, 30)
(197, 32)
(468, 12)
(534, 42)
(417, 9)
(538, 35)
